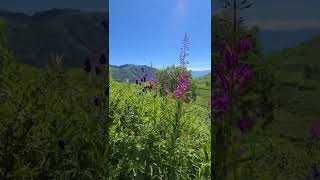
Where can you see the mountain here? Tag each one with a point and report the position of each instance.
(196, 74)
(71, 33)
(273, 40)
(131, 72)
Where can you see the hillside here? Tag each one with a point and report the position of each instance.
(71, 33)
(297, 73)
(296, 97)
(131, 72)
(203, 89)
(196, 74)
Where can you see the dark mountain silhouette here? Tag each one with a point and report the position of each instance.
(131, 72)
(281, 39)
(71, 33)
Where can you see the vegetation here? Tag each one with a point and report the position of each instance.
(159, 131)
(52, 123)
(280, 137)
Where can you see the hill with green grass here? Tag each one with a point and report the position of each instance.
(131, 72)
(296, 97)
(203, 89)
(71, 33)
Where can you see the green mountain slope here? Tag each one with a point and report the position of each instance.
(71, 33)
(131, 72)
(297, 90)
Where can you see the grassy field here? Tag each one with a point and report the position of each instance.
(203, 90)
(283, 145)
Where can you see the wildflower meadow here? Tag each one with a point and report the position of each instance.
(159, 130)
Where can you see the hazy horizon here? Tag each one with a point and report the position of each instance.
(194, 69)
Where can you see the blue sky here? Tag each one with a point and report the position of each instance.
(145, 31)
(281, 15)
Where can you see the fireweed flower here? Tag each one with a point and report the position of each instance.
(182, 85)
(221, 103)
(244, 45)
(87, 64)
(244, 124)
(219, 70)
(152, 81)
(178, 93)
(243, 73)
(231, 57)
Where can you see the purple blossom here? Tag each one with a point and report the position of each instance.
(244, 123)
(243, 73)
(222, 82)
(221, 103)
(244, 45)
(152, 81)
(231, 57)
(182, 85)
(219, 70)
(178, 93)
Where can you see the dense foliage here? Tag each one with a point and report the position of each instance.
(158, 136)
(51, 126)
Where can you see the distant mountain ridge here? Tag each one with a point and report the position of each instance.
(131, 72)
(197, 74)
(68, 32)
(273, 40)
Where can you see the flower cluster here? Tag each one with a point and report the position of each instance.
(98, 66)
(182, 85)
(150, 80)
(89, 64)
(230, 75)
